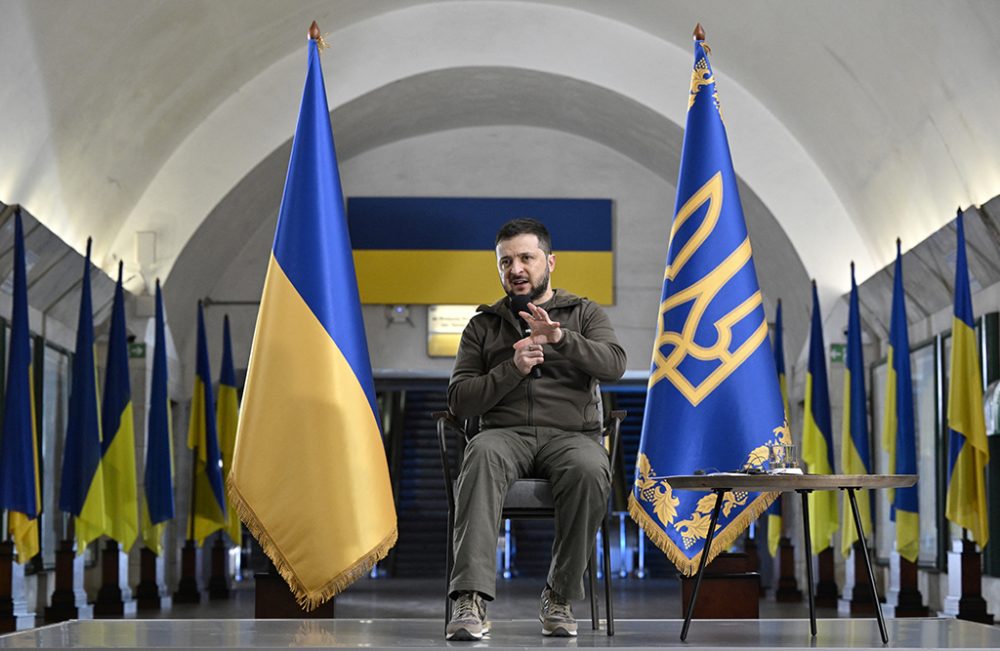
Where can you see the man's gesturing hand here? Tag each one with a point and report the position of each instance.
(543, 329)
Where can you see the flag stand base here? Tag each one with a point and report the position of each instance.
(826, 587)
(147, 593)
(965, 584)
(788, 586)
(187, 589)
(753, 559)
(905, 600)
(63, 606)
(109, 598)
(8, 622)
(274, 600)
(218, 584)
(728, 590)
(858, 599)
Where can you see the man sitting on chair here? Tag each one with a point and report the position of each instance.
(540, 406)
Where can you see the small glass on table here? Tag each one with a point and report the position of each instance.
(783, 458)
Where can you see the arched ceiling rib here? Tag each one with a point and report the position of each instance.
(476, 97)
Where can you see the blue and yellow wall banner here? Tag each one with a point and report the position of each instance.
(441, 250)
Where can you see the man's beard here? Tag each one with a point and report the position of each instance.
(538, 289)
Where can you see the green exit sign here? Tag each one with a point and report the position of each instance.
(837, 353)
(137, 350)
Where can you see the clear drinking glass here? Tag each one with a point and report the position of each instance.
(783, 457)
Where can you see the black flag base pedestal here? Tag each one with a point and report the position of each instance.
(147, 593)
(753, 559)
(729, 590)
(826, 587)
(109, 598)
(218, 584)
(965, 584)
(857, 599)
(8, 621)
(274, 600)
(187, 589)
(63, 597)
(788, 586)
(903, 598)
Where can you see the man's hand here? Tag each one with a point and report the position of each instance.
(543, 329)
(527, 355)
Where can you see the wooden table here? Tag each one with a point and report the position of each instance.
(720, 483)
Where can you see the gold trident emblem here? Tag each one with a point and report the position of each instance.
(702, 293)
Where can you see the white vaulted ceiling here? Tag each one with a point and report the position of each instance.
(851, 123)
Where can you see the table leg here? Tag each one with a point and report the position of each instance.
(719, 492)
(809, 554)
(868, 565)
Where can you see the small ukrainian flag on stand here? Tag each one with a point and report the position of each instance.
(899, 431)
(20, 493)
(968, 451)
(774, 523)
(854, 455)
(817, 437)
(82, 490)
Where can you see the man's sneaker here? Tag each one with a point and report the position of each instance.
(468, 618)
(556, 615)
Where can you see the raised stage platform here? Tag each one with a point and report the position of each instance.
(522, 635)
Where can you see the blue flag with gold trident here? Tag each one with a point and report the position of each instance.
(713, 400)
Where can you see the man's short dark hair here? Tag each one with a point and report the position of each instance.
(525, 226)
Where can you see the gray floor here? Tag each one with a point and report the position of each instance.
(408, 613)
(516, 599)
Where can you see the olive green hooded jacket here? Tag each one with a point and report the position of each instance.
(486, 383)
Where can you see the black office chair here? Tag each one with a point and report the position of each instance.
(527, 499)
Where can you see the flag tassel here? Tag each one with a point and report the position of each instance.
(308, 600)
(721, 542)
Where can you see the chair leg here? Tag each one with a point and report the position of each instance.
(608, 608)
(592, 571)
(449, 565)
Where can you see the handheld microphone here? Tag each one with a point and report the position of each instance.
(518, 304)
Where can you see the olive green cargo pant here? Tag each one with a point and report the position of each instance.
(578, 468)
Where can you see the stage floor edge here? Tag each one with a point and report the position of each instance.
(523, 635)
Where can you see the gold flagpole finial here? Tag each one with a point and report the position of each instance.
(317, 36)
(699, 32)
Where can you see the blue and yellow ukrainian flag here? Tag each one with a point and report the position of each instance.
(227, 416)
(158, 478)
(20, 492)
(209, 500)
(898, 430)
(396, 239)
(968, 451)
(309, 475)
(121, 502)
(713, 400)
(817, 437)
(82, 490)
(855, 459)
(774, 512)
